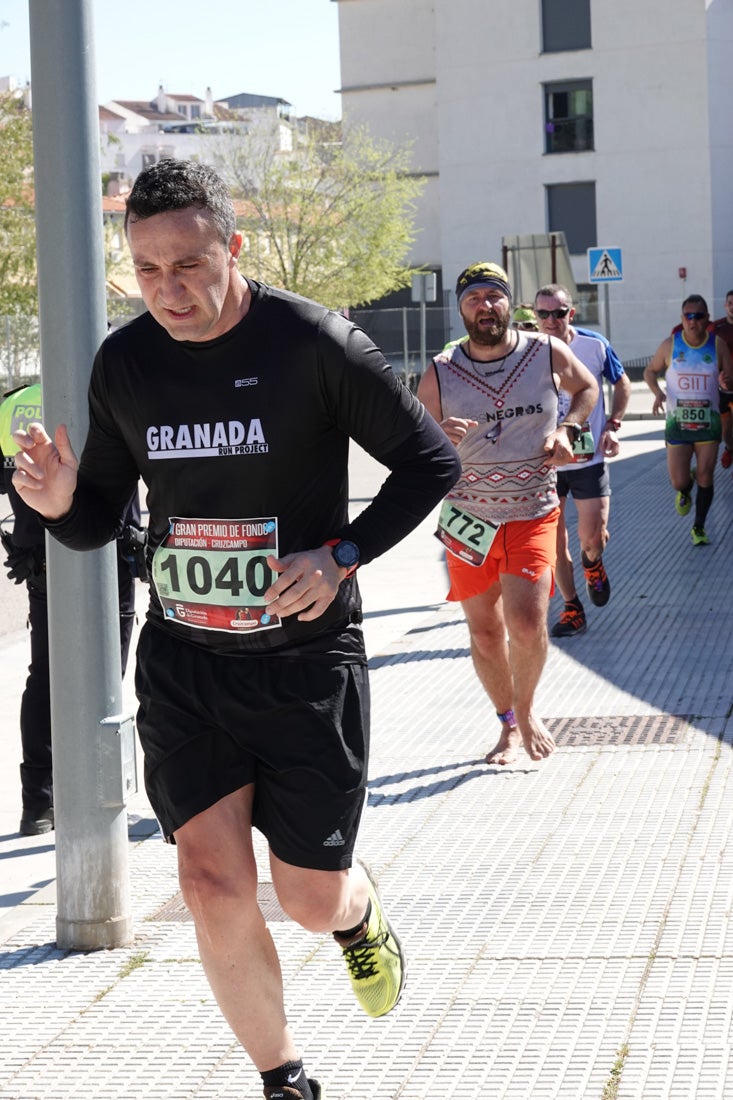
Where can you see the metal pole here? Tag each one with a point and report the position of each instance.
(606, 313)
(91, 738)
(423, 339)
(405, 345)
(607, 333)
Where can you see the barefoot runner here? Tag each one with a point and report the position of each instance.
(495, 397)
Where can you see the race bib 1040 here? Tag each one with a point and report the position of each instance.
(212, 574)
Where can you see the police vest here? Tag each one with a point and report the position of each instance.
(19, 409)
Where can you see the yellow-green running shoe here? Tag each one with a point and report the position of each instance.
(699, 537)
(375, 960)
(683, 500)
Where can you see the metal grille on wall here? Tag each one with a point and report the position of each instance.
(20, 343)
(397, 333)
(20, 351)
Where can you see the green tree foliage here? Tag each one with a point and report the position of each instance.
(330, 220)
(18, 279)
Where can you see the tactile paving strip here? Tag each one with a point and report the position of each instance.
(559, 919)
(175, 909)
(530, 904)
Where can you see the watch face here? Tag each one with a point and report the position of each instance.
(346, 553)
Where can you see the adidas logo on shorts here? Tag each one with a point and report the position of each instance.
(335, 840)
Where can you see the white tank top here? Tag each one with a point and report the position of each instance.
(692, 375)
(504, 473)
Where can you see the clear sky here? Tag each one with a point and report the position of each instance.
(286, 48)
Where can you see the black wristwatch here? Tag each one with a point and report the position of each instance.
(574, 430)
(345, 553)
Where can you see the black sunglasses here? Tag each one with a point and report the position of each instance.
(695, 316)
(556, 313)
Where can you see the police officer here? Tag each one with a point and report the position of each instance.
(26, 563)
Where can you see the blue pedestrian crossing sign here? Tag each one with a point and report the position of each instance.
(605, 265)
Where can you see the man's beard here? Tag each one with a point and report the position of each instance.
(487, 338)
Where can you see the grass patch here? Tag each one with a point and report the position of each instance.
(706, 785)
(610, 1091)
(133, 963)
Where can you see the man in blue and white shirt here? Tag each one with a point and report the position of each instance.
(587, 480)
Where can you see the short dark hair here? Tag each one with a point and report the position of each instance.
(695, 299)
(176, 185)
(551, 290)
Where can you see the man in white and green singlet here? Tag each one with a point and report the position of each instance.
(697, 363)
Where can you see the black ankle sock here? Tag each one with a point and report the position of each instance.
(351, 932)
(703, 500)
(289, 1075)
(586, 560)
(575, 602)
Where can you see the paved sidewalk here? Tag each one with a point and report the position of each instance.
(567, 924)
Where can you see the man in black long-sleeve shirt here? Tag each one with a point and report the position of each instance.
(235, 403)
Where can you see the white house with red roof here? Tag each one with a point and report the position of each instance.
(136, 133)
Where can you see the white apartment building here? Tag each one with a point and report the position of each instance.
(607, 119)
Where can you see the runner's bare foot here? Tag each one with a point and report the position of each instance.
(538, 741)
(506, 749)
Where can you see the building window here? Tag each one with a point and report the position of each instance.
(571, 207)
(565, 25)
(147, 159)
(569, 116)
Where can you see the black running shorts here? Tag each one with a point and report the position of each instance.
(298, 728)
(583, 482)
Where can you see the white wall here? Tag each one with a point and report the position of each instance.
(720, 98)
(384, 40)
(388, 69)
(663, 159)
(123, 152)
